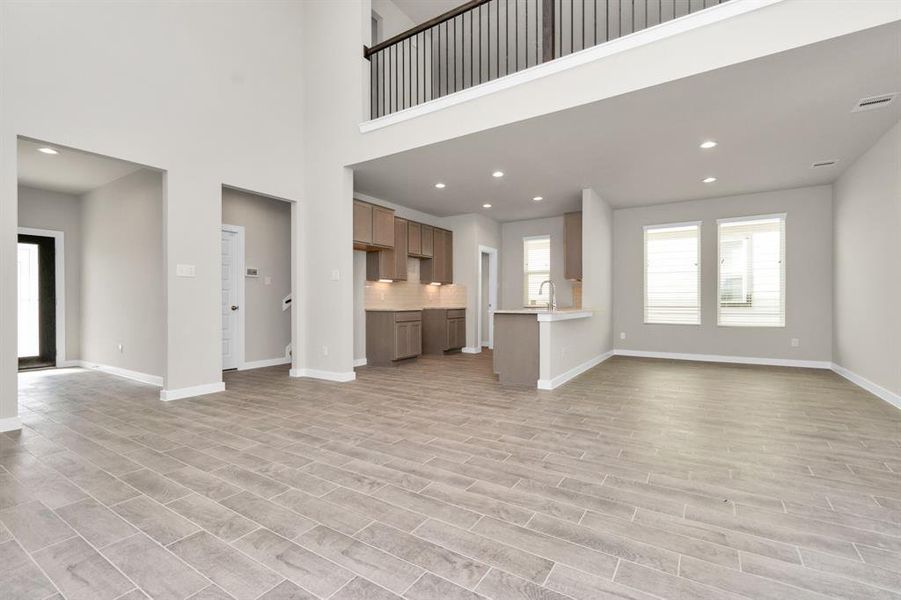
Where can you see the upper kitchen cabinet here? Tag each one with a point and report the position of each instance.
(419, 240)
(439, 268)
(373, 226)
(390, 263)
(572, 246)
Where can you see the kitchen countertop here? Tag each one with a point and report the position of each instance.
(545, 315)
(414, 309)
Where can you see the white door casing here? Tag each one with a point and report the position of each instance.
(492, 292)
(232, 297)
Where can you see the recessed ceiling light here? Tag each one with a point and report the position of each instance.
(486, 205)
(440, 185)
(47, 150)
(709, 179)
(497, 174)
(708, 144)
(538, 198)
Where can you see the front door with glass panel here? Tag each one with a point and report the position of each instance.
(36, 301)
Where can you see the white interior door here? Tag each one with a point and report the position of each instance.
(230, 299)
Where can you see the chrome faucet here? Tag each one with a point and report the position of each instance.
(552, 299)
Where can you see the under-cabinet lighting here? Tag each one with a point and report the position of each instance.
(440, 185)
(486, 205)
(708, 145)
(538, 198)
(386, 281)
(435, 283)
(47, 150)
(709, 179)
(497, 174)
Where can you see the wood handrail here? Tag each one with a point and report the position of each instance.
(456, 12)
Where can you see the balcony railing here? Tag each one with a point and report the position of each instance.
(483, 40)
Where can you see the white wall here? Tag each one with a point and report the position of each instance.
(267, 246)
(43, 209)
(210, 92)
(866, 319)
(122, 274)
(571, 347)
(808, 272)
(512, 269)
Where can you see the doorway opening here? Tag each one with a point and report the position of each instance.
(37, 316)
(257, 280)
(487, 295)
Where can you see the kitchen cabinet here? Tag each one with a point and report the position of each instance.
(390, 263)
(572, 246)
(373, 226)
(414, 239)
(428, 236)
(439, 268)
(443, 330)
(392, 336)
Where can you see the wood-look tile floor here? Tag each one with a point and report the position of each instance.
(640, 479)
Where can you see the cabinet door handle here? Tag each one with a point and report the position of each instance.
(234, 307)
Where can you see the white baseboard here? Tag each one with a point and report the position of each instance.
(67, 364)
(744, 360)
(119, 372)
(190, 392)
(549, 384)
(472, 349)
(359, 362)
(10, 424)
(339, 376)
(268, 362)
(874, 388)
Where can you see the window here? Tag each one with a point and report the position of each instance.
(751, 288)
(536, 253)
(672, 275)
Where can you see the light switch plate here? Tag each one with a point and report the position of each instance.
(336, 275)
(267, 280)
(182, 270)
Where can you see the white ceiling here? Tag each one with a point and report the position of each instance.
(70, 171)
(421, 11)
(772, 117)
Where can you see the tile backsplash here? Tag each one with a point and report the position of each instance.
(412, 294)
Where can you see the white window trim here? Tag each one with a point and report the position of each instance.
(784, 276)
(644, 267)
(525, 265)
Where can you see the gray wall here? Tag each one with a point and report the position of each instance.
(42, 209)
(511, 260)
(122, 275)
(867, 322)
(267, 246)
(808, 273)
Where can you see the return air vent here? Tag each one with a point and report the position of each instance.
(823, 163)
(874, 102)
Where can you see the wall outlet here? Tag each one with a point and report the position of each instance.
(267, 280)
(795, 342)
(182, 270)
(622, 335)
(325, 351)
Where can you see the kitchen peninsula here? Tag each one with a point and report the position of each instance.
(531, 345)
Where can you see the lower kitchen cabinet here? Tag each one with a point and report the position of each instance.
(443, 329)
(392, 336)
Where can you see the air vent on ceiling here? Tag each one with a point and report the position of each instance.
(874, 102)
(823, 163)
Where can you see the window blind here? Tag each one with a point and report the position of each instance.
(751, 288)
(536, 268)
(672, 275)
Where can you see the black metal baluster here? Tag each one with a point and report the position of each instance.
(471, 72)
(516, 37)
(497, 41)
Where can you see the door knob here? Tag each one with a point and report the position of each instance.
(234, 308)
